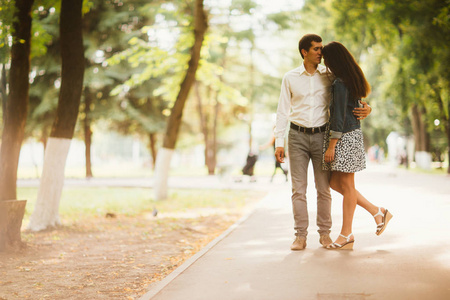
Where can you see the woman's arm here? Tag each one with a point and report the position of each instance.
(337, 118)
(329, 154)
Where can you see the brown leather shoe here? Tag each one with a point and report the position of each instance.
(299, 243)
(325, 240)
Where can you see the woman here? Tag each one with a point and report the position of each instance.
(344, 146)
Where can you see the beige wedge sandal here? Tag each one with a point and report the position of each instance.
(387, 216)
(348, 245)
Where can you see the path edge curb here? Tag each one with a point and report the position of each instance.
(175, 273)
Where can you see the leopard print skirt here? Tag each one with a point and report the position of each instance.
(349, 155)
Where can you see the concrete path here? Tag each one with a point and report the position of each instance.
(252, 260)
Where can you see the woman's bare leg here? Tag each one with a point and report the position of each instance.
(370, 207)
(347, 185)
(361, 200)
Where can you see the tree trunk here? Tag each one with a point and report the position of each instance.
(419, 135)
(45, 214)
(447, 127)
(174, 122)
(214, 134)
(44, 137)
(250, 98)
(161, 175)
(87, 131)
(11, 215)
(152, 135)
(203, 122)
(72, 70)
(152, 145)
(424, 131)
(448, 141)
(421, 138)
(211, 143)
(16, 107)
(3, 94)
(445, 118)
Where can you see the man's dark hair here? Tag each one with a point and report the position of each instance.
(306, 40)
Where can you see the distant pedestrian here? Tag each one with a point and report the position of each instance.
(278, 165)
(250, 163)
(344, 144)
(249, 168)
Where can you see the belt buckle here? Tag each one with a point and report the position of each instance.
(312, 130)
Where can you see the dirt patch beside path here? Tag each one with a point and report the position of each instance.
(107, 258)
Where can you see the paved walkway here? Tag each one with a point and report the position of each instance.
(252, 260)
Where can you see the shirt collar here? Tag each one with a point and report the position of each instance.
(320, 68)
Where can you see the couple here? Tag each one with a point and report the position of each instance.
(322, 105)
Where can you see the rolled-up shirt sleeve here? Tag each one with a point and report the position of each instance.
(284, 105)
(340, 99)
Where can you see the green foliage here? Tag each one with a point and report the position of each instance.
(242, 7)
(282, 19)
(6, 21)
(149, 52)
(403, 47)
(41, 38)
(137, 53)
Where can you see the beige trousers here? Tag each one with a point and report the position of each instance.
(302, 148)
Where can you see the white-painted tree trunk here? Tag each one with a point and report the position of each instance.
(423, 160)
(46, 211)
(161, 175)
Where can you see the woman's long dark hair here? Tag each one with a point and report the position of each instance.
(342, 64)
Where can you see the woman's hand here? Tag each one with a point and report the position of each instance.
(329, 154)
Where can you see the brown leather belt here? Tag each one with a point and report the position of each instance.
(309, 130)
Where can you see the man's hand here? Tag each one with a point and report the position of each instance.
(362, 112)
(279, 154)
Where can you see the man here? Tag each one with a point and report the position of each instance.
(304, 100)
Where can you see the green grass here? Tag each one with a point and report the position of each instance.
(114, 170)
(436, 168)
(442, 171)
(111, 171)
(127, 170)
(87, 202)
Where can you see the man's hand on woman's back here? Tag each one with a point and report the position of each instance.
(362, 112)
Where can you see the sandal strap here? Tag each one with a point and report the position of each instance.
(346, 237)
(379, 213)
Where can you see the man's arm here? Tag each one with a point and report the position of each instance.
(279, 154)
(362, 112)
(282, 119)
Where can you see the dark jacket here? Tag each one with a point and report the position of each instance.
(342, 119)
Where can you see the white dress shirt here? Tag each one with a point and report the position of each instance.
(304, 100)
